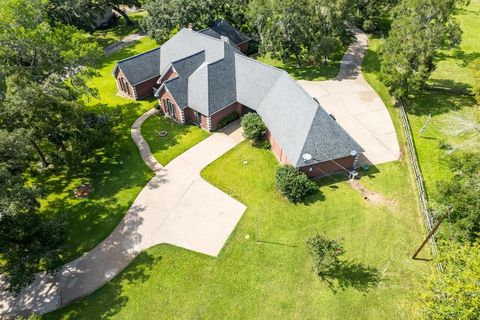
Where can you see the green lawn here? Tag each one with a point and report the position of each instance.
(273, 278)
(178, 140)
(119, 29)
(309, 70)
(117, 174)
(443, 106)
(453, 65)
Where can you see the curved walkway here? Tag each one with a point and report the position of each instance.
(357, 107)
(176, 207)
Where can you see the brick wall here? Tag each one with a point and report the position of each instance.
(126, 90)
(244, 47)
(277, 150)
(320, 169)
(170, 74)
(217, 117)
(144, 89)
(164, 94)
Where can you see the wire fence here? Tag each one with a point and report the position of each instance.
(418, 175)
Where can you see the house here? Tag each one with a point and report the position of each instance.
(202, 79)
(222, 28)
(136, 76)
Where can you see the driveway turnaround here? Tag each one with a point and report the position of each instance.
(176, 207)
(357, 107)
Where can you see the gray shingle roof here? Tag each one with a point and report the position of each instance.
(178, 86)
(223, 28)
(221, 81)
(140, 67)
(186, 43)
(212, 74)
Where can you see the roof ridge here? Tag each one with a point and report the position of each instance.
(259, 62)
(140, 54)
(204, 35)
(184, 58)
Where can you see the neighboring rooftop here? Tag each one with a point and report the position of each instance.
(222, 28)
(140, 67)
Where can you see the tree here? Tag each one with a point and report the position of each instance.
(462, 191)
(57, 126)
(15, 151)
(464, 127)
(368, 13)
(28, 243)
(43, 52)
(293, 28)
(326, 47)
(419, 28)
(166, 16)
(293, 184)
(253, 127)
(453, 292)
(84, 13)
(324, 252)
(283, 27)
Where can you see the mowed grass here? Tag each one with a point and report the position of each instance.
(272, 277)
(178, 140)
(443, 106)
(311, 71)
(454, 66)
(117, 173)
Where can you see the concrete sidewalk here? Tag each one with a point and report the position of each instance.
(176, 207)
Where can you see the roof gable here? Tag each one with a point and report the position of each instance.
(178, 86)
(141, 67)
(186, 43)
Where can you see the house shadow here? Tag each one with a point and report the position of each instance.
(350, 274)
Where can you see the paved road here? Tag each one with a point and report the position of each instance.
(123, 43)
(176, 207)
(357, 107)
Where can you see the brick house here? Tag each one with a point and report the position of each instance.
(202, 79)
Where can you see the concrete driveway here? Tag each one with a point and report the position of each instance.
(176, 207)
(357, 107)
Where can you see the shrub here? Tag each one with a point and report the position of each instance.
(253, 127)
(324, 253)
(228, 119)
(293, 184)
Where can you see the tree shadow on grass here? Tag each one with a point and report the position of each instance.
(349, 274)
(463, 57)
(436, 103)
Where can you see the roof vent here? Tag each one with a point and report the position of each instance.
(331, 115)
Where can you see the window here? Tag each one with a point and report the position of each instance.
(171, 109)
(199, 118)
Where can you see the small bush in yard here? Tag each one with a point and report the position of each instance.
(324, 253)
(293, 184)
(253, 127)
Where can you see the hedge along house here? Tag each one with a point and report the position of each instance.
(203, 79)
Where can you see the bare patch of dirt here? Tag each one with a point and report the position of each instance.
(82, 191)
(372, 196)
